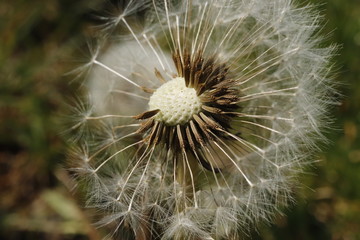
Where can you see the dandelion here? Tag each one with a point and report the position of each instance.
(201, 113)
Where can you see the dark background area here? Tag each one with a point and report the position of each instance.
(40, 40)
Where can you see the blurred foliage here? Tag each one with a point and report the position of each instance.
(37, 40)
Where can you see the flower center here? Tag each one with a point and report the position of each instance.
(176, 102)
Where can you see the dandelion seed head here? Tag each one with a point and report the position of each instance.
(202, 115)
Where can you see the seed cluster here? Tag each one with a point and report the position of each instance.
(236, 106)
(219, 103)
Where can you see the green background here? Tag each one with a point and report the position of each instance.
(40, 40)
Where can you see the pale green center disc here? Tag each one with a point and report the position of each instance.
(176, 102)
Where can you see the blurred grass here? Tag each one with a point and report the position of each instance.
(37, 40)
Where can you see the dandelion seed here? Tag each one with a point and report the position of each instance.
(206, 113)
